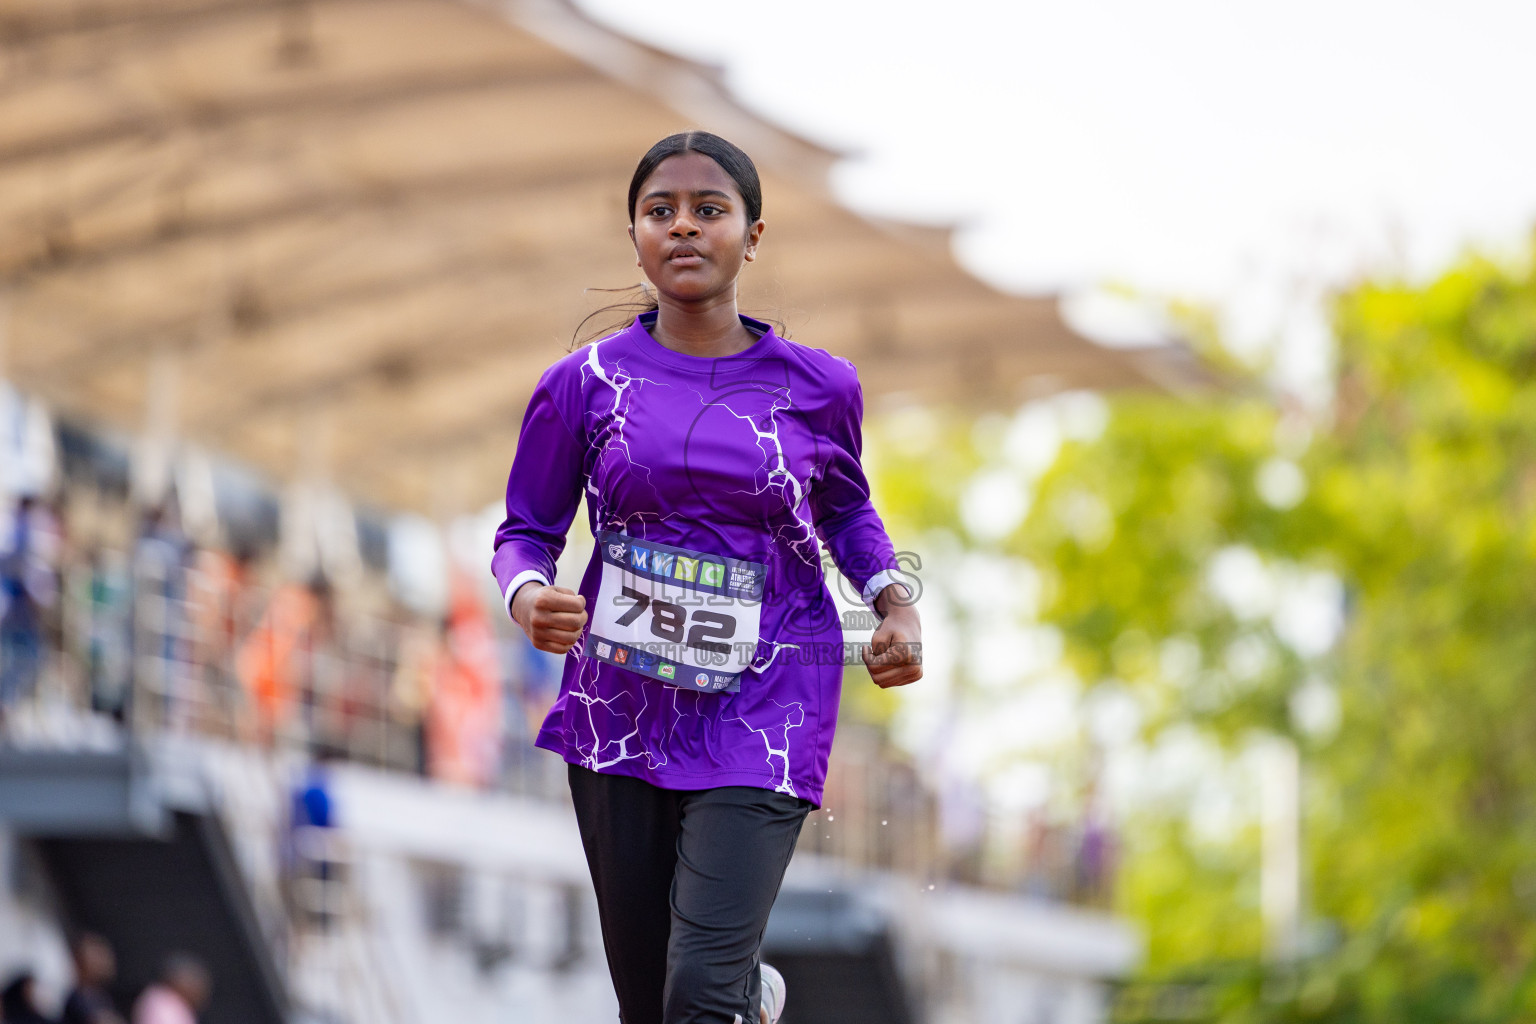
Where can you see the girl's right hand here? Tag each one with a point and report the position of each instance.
(551, 616)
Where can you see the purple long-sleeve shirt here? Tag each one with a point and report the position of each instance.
(713, 651)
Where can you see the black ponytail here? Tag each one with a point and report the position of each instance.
(640, 299)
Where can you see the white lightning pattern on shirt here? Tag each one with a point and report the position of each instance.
(777, 645)
(791, 492)
(621, 381)
(792, 489)
(584, 689)
(589, 700)
(792, 720)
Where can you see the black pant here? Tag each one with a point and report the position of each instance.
(685, 880)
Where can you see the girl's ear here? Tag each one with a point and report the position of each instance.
(636, 245)
(754, 235)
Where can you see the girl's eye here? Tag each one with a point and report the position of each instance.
(709, 209)
(659, 211)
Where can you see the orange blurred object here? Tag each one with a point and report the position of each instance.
(464, 720)
(269, 664)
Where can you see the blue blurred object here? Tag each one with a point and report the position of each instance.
(312, 803)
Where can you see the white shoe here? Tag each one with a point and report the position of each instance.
(773, 993)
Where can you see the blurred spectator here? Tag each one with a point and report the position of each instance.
(312, 804)
(218, 586)
(1043, 859)
(109, 632)
(1095, 862)
(306, 858)
(178, 996)
(27, 586)
(161, 651)
(411, 688)
(95, 968)
(464, 718)
(322, 679)
(18, 1001)
(273, 661)
(537, 674)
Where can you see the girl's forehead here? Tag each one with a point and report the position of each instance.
(688, 172)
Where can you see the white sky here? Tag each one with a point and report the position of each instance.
(1243, 153)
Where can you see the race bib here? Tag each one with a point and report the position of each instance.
(685, 618)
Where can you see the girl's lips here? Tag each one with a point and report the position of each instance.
(685, 259)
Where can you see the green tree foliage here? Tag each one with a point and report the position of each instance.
(1418, 493)
(1421, 497)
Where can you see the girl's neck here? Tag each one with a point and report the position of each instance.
(711, 329)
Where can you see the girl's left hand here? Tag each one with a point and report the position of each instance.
(894, 655)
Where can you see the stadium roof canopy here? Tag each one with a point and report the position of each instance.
(367, 225)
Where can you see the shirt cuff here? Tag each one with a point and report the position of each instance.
(517, 581)
(878, 582)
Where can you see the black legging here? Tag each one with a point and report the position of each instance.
(685, 880)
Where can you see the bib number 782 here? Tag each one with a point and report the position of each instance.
(668, 621)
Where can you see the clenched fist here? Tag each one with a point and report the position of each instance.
(894, 655)
(551, 616)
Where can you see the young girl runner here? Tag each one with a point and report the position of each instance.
(704, 656)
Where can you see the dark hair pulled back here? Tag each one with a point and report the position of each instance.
(732, 161)
(729, 156)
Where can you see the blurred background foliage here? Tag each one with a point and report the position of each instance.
(1413, 495)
